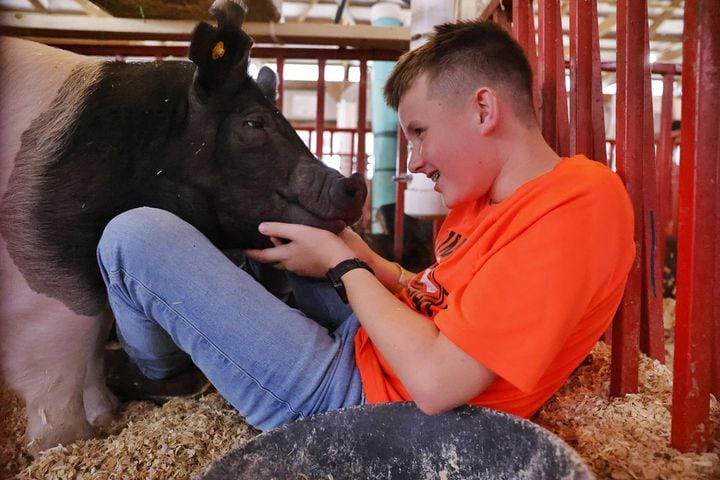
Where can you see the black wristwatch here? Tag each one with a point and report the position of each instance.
(334, 275)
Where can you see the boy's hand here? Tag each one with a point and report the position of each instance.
(306, 251)
(361, 249)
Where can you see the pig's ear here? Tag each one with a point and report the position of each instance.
(268, 82)
(221, 53)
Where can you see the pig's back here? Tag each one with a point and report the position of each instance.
(30, 76)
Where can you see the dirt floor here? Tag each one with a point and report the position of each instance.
(619, 438)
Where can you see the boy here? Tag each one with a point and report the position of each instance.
(531, 266)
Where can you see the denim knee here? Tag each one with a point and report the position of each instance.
(129, 231)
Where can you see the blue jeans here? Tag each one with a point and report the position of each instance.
(177, 298)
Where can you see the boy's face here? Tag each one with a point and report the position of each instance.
(447, 143)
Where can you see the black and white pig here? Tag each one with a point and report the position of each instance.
(83, 140)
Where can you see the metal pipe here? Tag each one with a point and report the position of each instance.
(652, 334)
(629, 151)
(581, 56)
(362, 119)
(598, 108)
(398, 244)
(523, 28)
(280, 65)
(320, 111)
(696, 364)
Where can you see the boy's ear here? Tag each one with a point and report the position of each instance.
(221, 53)
(485, 103)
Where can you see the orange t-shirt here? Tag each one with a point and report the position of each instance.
(526, 287)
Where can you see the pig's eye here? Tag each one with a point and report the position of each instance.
(254, 124)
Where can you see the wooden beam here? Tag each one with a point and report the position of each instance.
(91, 9)
(111, 28)
(656, 37)
(665, 15)
(606, 25)
(303, 16)
(668, 55)
(38, 6)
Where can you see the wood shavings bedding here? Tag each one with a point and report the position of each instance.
(628, 437)
(619, 438)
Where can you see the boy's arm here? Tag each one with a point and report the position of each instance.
(437, 373)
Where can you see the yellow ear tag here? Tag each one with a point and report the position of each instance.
(218, 50)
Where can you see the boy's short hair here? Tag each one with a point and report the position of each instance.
(464, 56)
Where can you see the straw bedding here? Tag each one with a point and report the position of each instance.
(619, 438)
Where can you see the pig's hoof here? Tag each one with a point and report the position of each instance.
(128, 383)
(50, 437)
(100, 406)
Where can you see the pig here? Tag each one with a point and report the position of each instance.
(82, 140)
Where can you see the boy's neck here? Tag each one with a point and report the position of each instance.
(526, 156)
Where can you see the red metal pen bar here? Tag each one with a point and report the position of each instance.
(598, 106)
(582, 15)
(280, 64)
(362, 119)
(523, 29)
(587, 115)
(551, 73)
(629, 154)
(552, 98)
(320, 112)
(664, 165)
(400, 171)
(652, 333)
(697, 324)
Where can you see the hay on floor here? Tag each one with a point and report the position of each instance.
(627, 437)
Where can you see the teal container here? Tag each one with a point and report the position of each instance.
(384, 127)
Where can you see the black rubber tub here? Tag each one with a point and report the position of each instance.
(398, 441)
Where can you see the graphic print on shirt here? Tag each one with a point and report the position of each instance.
(426, 293)
(453, 241)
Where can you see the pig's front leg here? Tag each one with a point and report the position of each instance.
(100, 403)
(44, 352)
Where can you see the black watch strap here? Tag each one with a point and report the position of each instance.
(334, 275)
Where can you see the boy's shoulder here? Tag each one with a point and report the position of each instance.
(581, 172)
(582, 165)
